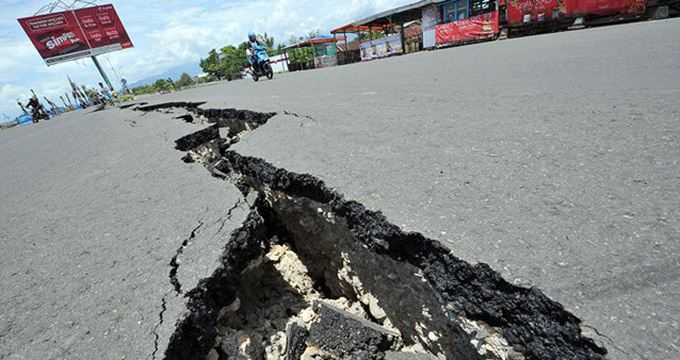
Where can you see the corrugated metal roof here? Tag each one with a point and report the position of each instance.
(398, 14)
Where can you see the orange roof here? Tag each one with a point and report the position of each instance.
(325, 40)
(351, 28)
(317, 40)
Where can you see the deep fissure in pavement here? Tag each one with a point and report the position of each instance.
(309, 272)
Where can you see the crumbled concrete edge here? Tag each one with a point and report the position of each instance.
(497, 313)
(533, 324)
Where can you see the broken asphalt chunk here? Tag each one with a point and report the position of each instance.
(345, 335)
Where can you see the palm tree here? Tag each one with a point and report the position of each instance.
(266, 40)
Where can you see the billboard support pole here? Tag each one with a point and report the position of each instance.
(101, 71)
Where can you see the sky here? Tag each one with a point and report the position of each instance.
(165, 33)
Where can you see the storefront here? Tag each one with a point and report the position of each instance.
(325, 52)
(351, 50)
(389, 33)
(462, 21)
(319, 52)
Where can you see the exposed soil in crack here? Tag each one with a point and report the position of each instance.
(312, 275)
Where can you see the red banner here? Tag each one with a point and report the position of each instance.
(610, 7)
(72, 35)
(478, 27)
(537, 11)
(531, 11)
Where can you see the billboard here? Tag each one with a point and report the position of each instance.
(76, 34)
(383, 47)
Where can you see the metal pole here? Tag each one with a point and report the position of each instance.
(445, 15)
(101, 71)
(403, 39)
(344, 34)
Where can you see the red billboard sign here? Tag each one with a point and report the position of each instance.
(478, 27)
(76, 34)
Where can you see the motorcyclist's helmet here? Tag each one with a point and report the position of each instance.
(252, 37)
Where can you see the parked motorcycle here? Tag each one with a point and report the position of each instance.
(261, 65)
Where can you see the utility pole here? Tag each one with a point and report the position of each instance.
(101, 71)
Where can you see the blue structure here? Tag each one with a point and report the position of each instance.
(455, 5)
(24, 119)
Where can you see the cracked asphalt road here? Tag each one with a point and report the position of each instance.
(553, 158)
(93, 210)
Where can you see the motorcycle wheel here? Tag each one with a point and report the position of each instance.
(269, 71)
(255, 78)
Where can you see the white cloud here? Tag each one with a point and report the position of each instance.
(14, 57)
(9, 91)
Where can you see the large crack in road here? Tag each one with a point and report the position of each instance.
(175, 262)
(311, 274)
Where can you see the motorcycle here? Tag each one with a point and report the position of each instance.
(39, 114)
(261, 65)
(37, 110)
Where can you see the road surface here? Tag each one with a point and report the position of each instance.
(553, 158)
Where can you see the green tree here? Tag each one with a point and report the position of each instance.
(304, 55)
(227, 63)
(313, 34)
(233, 60)
(210, 65)
(367, 35)
(164, 85)
(266, 40)
(148, 89)
(292, 40)
(185, 80)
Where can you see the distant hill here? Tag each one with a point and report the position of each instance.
(173, 73)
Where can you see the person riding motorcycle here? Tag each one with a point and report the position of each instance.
(253, 43)
(37, 110)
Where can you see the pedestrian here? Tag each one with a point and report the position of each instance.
(106, 94)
